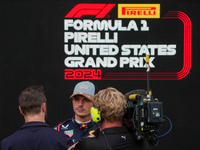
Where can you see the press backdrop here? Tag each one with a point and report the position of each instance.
(35, 46)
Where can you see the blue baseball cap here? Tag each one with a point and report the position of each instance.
(84, 88)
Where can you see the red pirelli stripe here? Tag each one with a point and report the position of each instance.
(187, 52)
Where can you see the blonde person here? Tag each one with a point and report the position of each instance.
(111, 135)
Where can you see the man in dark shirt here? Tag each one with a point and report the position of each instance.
(111, 135)
(35, 134)
(81, 125)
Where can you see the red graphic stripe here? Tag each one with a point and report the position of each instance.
(164, 75)
(186, 41)
(58, 128)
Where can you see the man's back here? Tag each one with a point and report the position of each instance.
(36, 136)
(117, 138)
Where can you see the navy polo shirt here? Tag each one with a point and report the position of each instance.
(36, 136)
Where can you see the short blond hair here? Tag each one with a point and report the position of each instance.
(111, 104)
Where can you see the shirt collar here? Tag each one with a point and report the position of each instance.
(115, 129)
(110, 130)
(89, 124)
(34, 123)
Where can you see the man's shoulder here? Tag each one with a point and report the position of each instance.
(24, 137)
(7, 139)
(12, 139)
(65, 121)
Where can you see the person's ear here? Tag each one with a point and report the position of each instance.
(21, 111)
(44, 107)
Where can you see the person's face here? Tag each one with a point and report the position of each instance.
(81, 106)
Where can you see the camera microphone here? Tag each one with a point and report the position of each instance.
(133, 97)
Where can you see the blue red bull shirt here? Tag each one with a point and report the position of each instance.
(76, 131)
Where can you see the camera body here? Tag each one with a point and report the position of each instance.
(145, 113)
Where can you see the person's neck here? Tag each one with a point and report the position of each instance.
(33, 117)
(83, 119)
(106, 124)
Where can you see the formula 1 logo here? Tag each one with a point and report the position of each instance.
(99, 10)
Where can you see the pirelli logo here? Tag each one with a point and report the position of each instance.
(138, 10)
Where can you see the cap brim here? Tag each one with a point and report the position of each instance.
(88, 96)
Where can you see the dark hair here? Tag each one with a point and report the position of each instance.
(31, 99)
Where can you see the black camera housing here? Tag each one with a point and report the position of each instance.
(145, 113)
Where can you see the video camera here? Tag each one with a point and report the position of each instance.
(145, 113)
